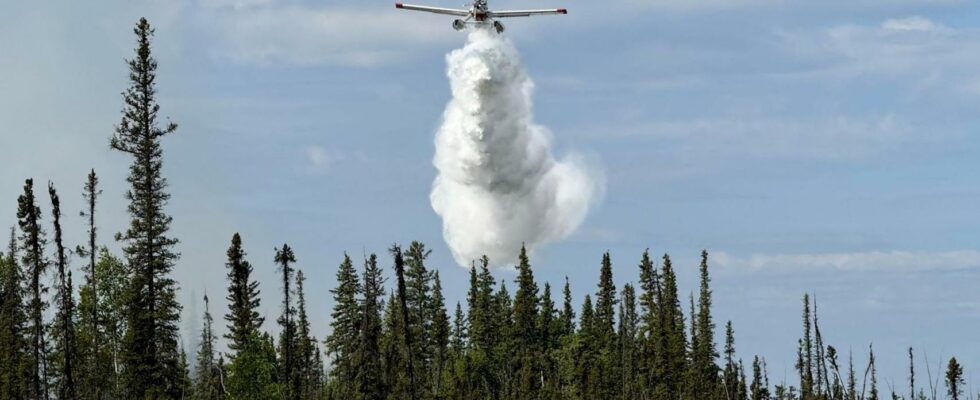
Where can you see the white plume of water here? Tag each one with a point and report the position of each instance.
(499, 186)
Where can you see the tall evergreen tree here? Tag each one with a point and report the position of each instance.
(288, 376)
(672, 325)
(806, 367)
(343, 341)
(32, 242)
(151, 356)
(567, 314)
(97, 371)
(243, 316)
(628, 334)
(208, 382)
(367, 359)
(13, 326)
(418, 298)
(525, 329)
(306, 347)
(954, 379)
(703, 352)
(66, 346)
(406, 331)
(653, 338)
(440, 336)
(731, 372)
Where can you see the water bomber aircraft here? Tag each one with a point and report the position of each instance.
(479, 14)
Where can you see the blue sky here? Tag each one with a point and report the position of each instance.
(823, 146)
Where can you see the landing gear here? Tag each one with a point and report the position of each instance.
(459, 25)
(498, 26)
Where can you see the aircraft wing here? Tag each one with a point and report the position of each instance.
(526, 13)
(437, 10)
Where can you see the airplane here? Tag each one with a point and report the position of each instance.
(479, 14)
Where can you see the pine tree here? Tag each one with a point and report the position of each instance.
(954, 379)
(653, 337)
(32, 241)
(306, 346)
(567, 315)
(13, 326)
(759, 389)
(151, 356)
(403, 313)
(93, 377)
(703, 351)
(806, 367)
(628, 333)
(66, 346)
(525, 329)
(730, 374)
(208, 382)
(418, 298)
(874, 374)
(367, 359)
(343, 341)
(440, 335)
(288, 376)
(243, 316)
(672, 323)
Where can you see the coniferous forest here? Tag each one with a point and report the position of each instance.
(392, 334)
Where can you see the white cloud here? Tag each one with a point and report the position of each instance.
(320, 159)
(858, 262)
(915, 23)
(301, 35)
(763, 136)
(915, 51)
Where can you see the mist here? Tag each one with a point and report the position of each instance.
(499, 186)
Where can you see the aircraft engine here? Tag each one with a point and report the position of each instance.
(498, 26)
(459, 25)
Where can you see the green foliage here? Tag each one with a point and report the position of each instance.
(64, 361)
(13, 326)
(150, 353)
(954, 379)
(32, 242)
(252, 373)
(243, 316)
(100, 336)
(209, 379)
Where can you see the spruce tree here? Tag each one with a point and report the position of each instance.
(628, 334)
(95, 376)
(66, 347)
(151, 357)
(806, 367)
(243, 316)
(208, 382)
(13, 326)
(367, 359)
(954, 379)
(32, 242)
(567, 314)
(440, 336)
(672, 324)
(418, 298)
(406, 331)
(703, 351)
(525, 328)
(343, 341)
(305, 344)
(288, 376)
(730, 374)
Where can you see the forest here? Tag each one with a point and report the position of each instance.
(392, 335)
